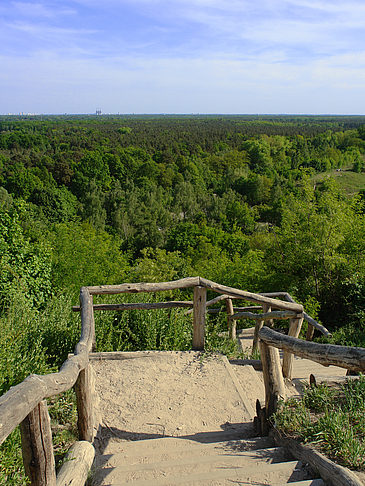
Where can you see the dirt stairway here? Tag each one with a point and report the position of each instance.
(174, 461)
(139, 442)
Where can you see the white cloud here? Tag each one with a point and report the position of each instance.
(51, 84)
(184, 56)
(37, 9)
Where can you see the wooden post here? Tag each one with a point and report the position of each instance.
(84, 388)
(267, 308)
(93, 347)
(199, 309)
(273, 378)
(310, 332)
(231, 322)
(258, 327)
(37, 448)
(76, 467)
(288, 357)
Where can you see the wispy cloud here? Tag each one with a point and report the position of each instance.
(183, 55)
(39, 10)
(49, 31)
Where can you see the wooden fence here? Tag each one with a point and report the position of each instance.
(25, 403)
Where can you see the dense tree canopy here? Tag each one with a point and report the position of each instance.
(88, 200)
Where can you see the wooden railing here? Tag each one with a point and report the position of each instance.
(25, 403)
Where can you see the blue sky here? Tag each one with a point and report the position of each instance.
(182, 56)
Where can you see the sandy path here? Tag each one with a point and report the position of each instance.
(167, 394)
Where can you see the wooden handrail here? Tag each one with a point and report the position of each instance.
(312, 322)
(259, 298)
(20, 400)
(351, 358)
(139, 305)
(264, 316)
(132, 288)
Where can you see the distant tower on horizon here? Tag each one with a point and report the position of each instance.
(98, 111)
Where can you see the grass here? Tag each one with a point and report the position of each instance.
(331, 419)
(351, 182)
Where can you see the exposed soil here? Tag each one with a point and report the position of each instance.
(169, 394)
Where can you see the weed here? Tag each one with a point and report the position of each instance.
(331, 418)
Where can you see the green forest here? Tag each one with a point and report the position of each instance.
(261, 203)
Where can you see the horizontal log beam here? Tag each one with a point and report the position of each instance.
(217, 299)
(120, 355)
(309, 319)
(258, 298)
(21, 399)
(266, 316)
(77, 464)
(136, 306)
(350, 358)
(235, 309)
(220, 309)
(133, 288)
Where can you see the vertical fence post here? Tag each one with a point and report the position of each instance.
(230, 322)
(37, 447)
(288, 358)
(258, 326)
(199, 310)
(93, 347)
(84, 388)
(273, 378)
(310, 333)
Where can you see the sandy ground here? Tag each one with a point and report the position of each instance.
(168, 394)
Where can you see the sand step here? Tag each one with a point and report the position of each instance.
(202, 455)
(264, 474)
(220, 455)
(179, 461)
(177, 444)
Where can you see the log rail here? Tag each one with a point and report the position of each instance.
(25, 405)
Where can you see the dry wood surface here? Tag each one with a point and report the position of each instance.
(135, 306)
(308, 318)
(37, 448)
(75, 469)
(325, 354)
(259, 298)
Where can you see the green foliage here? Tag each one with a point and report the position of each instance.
(315, 249)
(21, 351)
(84, 256)
(238, 200)
(159, 265)
(58, 205)
(142, 330)
(11, 462)
(25, 265)
(333, 419)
